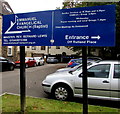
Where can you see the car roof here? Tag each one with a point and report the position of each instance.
(88, 58)
(37, 57)
(108, 62)
(2, 58)
(51, 57)
(28, 57)
(105, 62)
(75, 59)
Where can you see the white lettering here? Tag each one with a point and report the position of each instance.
(67, 37)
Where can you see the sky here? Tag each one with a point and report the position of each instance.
(23, 6)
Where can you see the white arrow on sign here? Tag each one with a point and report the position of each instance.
(95, 37)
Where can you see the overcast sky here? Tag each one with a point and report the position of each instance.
(23, 6)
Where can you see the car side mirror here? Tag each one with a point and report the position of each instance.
(81, 75)
(90, 74)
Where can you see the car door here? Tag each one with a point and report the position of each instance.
(5, 64)
(41, 61)
(115, 81)
(98, 81)
(78, 81)
(31, 62)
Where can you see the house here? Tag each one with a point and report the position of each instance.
(9, 52)
(37, 51)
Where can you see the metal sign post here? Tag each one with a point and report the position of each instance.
(22, 78)
(84, 80)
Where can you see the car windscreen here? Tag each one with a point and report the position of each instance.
(79, 67)
(51, 57)
(26, 59)
(37, 58)
(78, 61)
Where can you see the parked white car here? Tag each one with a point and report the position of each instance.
(39, 60)
(103, 79)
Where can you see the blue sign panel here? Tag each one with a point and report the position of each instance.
(27, 29)
(86, 26)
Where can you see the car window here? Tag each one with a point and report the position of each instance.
(26, 59)
(79, 61)
(41, 58)
(51, 57)
(76, 61)
(30, 58)
(116, 71)
(99, 71)
(36, 58)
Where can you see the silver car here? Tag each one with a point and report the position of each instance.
(52, 60)
(103, 80)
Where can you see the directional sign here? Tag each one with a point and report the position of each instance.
(86, 26)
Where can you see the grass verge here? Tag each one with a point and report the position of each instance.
(11, 103)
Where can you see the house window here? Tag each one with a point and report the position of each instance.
(57, 47)
(42, 47)
(33, 47)
(9, 52)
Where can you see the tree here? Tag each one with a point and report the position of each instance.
(112, 51)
